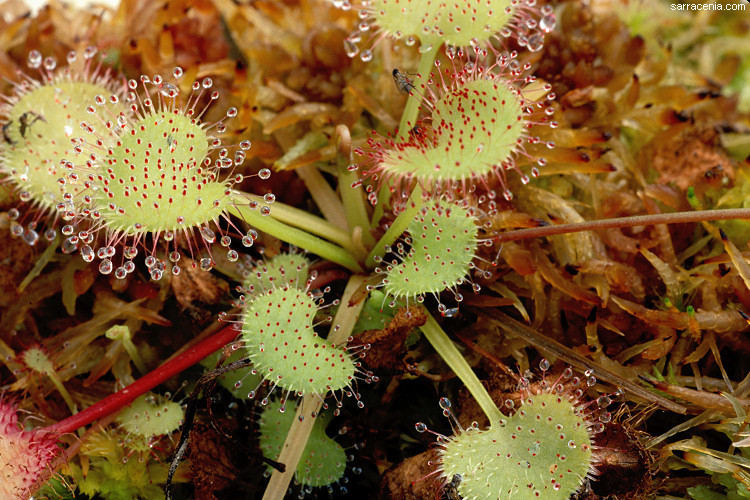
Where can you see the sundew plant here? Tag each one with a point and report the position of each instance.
(484, 249)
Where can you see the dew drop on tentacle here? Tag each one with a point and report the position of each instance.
(87, 253)
(105, 266)
(445, 404)
(169, 90)
(208, 235)
(350, 48)
(603, 401)
(34, 60)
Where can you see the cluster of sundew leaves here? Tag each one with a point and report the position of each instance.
(277, 322)
(459, 24)
(442, 241)
(122, 228)
(476, 125)
(543, 450)
(323, 461)
(38, 121)
(142, 173)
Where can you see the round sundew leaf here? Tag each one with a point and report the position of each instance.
(155, 177)
(476, 126)
(38, 360)
(151, 415)
(444, 242)
(137, 443)
(281, 270)
(542, 451)
(436, 22)
(278, 330)
(37, 137)
(469, 21)
(323, 460)
(402, 18)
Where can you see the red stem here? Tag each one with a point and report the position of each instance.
(164, 372)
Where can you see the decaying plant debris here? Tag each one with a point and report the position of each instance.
(649, 123)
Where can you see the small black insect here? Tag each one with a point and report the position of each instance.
(419, 133)
(5, 133)
(422, 133)
(450, 492)
(24, 122)
(403, 84)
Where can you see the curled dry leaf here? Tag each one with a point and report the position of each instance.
(192, 287)
(387, 346)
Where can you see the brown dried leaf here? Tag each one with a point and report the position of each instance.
(399, 481)
(195, 286)
(212, 468)
(562, 281)
(668, 338)
(300, 112)
(387, 345)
